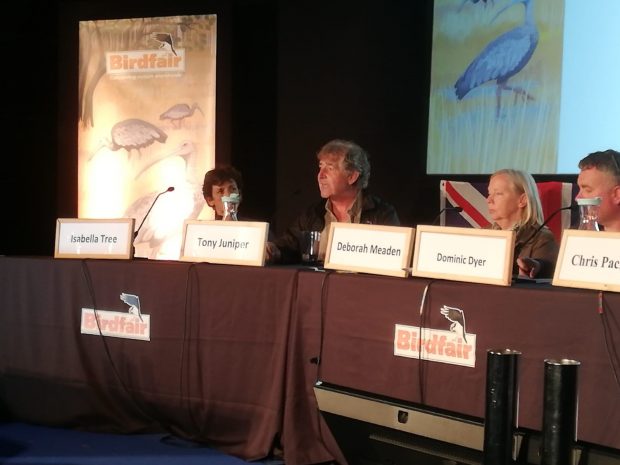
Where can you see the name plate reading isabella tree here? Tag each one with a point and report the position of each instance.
(369, 248)
(94, 238)
(589, 260)
(229, 242)
(464, 254)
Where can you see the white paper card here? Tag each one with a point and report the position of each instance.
(589, 259)
(94, 238)
(464, 254)
(231, 242)
(369, 248)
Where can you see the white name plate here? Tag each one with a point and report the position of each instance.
(589, 259)
(94, 238)
(230, 242)
(464, 254)
(369, 248)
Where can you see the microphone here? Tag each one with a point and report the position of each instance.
(519, 245)
(451, 209)
(170, 189)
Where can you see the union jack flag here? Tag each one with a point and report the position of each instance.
(471, 197)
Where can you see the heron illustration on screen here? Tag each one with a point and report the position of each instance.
(463, 2)
(502, 58)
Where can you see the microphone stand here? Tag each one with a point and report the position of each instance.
(454, 209)
(522, 244)
(135, 234)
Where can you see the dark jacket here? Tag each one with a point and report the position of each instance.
(540, 245)
(374, 211)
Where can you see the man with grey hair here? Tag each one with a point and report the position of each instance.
(600, 177)
(344, 172)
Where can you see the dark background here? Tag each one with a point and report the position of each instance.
(291, 76)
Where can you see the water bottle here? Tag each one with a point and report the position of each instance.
(588, 213)
(231, 203)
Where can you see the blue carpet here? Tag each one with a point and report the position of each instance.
(36, 445)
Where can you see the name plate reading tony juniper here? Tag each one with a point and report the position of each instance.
(94, 238)
(589, 260)
(230, 242)
(369, 248)
(464, 254)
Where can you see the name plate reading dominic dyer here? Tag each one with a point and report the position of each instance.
(230, 242)
(464, 254)
(369, 248)
(94, 238)
(589, 259)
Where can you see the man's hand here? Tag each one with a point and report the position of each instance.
(272, 252)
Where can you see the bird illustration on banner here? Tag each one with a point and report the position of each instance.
(153, 233)
(134, 304)
(164, 223)
(186, 150)
(132, 134)
(502, 58)
(457, 317)
(165, 41)
(179, 112)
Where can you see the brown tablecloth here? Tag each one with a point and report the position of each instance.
(213, 370)
(235, 351)
(542, 322)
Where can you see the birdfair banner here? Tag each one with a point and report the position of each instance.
(147, 124)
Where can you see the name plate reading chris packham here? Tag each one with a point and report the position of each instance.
(369, 248)
(230, 242)
(589, 259)
(94, 238)
(464, 254)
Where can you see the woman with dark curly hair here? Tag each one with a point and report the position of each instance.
(221, 181)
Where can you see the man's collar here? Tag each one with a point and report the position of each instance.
(354, 211)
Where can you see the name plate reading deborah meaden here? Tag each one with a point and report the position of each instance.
(229, 242)
(464, 254)
(589, 259)
(369, 248)
(94, 238)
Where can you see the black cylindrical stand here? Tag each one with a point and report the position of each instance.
(559, 411)
(502, 400)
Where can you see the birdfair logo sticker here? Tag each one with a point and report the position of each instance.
(454, 346)
(132, 324)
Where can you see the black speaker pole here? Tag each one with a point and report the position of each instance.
(502, 399)
(559, 411)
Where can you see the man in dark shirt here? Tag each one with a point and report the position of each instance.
(344, 171)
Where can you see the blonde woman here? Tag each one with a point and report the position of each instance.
(514, 204)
